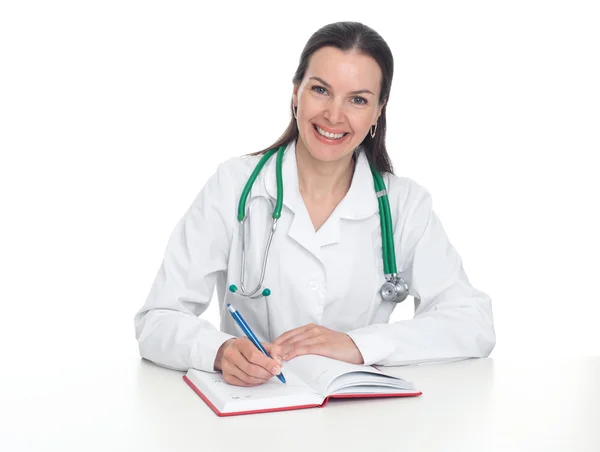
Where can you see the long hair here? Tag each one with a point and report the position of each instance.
(350, 36)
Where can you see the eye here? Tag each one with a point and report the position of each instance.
(359, 100)
(319, 89)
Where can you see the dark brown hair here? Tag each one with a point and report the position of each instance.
(348, 37)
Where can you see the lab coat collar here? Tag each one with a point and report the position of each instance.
(301, 228)
(359, 203)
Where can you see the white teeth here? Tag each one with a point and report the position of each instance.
(334, 136)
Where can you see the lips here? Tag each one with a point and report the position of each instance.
(328, 140)
(330, 134)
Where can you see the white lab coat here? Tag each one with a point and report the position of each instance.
(330, 277)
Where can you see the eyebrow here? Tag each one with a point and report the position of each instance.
(327, 85)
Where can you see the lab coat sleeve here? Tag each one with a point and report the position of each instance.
(168, 329)
(452, 320)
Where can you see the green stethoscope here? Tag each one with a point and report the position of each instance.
(394, 289)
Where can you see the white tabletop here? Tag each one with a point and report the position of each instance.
(475, 405)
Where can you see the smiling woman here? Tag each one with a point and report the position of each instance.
(352, 241)
(333, 119)
(330, 108)
(347, 69)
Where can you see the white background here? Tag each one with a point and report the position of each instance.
(113, 115)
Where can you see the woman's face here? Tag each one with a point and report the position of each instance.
(338, 102)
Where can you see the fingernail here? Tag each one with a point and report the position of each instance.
(285, 357)
(276, 371)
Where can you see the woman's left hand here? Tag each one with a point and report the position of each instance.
(314, 339)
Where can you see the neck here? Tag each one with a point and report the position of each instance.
(319, 180)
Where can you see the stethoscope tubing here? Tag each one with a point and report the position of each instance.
(397, 285)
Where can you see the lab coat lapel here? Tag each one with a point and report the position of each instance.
(361, 201)
(329, 233)
(301, 228)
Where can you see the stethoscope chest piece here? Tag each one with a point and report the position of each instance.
(395, 289)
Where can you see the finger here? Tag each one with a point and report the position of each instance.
(276, 351)
(312, 346)
(255, 357)
(235, 367)
(291, 333)
(248, 379)
(257, 363)
(233, 380)
(233, 357)
(309, 334)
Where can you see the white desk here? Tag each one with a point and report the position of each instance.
(476, 405)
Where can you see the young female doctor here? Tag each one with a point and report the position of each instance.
(345, 240)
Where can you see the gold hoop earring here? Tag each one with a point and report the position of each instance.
(373, 130)
(295, 112)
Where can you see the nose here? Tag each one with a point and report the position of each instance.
(334, 112)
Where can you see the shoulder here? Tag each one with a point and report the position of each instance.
(411, 205)
(405, 193)
(226, 182)
(231, 175)
(238, 168)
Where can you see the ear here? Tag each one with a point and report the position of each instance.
(380, 110)
(295, 94)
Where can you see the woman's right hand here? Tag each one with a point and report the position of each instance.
(242, 364)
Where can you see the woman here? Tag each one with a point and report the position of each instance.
(325, 267)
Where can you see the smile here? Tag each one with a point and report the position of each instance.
(329, 135)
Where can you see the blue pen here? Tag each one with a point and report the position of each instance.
(248, 332)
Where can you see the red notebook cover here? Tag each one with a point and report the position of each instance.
(340, 396)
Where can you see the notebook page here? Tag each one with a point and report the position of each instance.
(366, 383)
(271, 394)
(367, 389)
(320, 372)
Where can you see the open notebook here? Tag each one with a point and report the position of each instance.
(311, 381)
